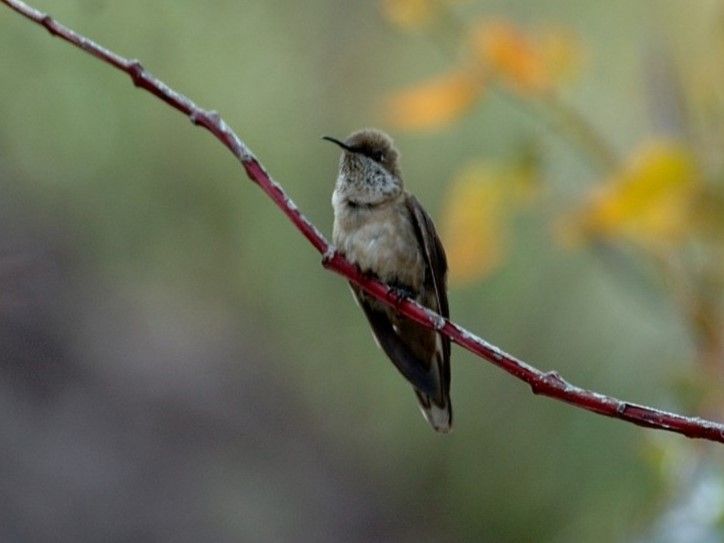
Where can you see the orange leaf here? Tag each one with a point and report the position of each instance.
(433, 103)
(528, 62)
(510, 54)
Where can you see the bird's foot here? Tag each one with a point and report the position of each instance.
(401, 293)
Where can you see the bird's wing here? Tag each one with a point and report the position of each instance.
(436, 266)
(415, 370)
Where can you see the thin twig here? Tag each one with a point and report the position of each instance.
(545, 383)
(580, 132)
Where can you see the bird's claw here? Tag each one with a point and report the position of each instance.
(400, 293)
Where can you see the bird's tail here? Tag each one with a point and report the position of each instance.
(437, 413)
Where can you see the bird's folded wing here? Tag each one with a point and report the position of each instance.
(436, 261)
(418, 372)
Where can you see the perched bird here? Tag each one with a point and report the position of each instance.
(384, 230)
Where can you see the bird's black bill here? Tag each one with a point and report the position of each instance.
(342, 144)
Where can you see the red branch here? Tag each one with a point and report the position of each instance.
(547, 384)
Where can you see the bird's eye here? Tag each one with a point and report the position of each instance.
(379, 157)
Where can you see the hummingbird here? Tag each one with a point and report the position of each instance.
(384, 230)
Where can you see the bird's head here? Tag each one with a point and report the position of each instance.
(368, 169)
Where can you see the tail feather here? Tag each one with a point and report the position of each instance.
(438, 415)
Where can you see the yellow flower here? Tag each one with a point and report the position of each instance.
(648, 202)
(474, 218)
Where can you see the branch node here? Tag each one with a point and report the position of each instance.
(550, 380)
(49, 24)
(328, 256)
(195, 117)
(555, 378)
(136, 71)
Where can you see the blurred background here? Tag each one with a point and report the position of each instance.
(175, 364)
